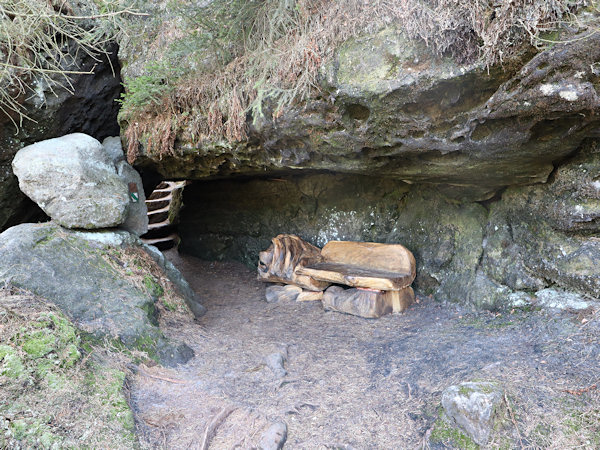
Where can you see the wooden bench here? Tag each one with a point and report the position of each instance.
(389, 268)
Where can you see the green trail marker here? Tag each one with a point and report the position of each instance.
(133, 193)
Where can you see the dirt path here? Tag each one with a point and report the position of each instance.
(359, 383)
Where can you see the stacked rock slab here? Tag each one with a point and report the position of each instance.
(85, 186)
(379, 275)
(79, 184)
(136, 221)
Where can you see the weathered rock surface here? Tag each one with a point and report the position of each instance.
(423, 148)
(114, 148)
(275, 362)
(74, 181)
(73, 270)
(192, 300)
(89, 108)
(559, 299)
(473, 406)
(431, 121)
(274, 438)
(547, 234)
(466, 251)
(136, 216)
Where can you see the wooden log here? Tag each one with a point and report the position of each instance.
(287, 253)
(370, 304)
(310, 296)
(274, 294)
(400, 300)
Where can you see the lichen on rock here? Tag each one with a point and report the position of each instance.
(473, 406)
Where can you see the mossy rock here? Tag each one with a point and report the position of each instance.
(474, 407)
(43, 383)
(443, 433)
(74, 270)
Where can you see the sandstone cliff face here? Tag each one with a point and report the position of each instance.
(549, 234)
(490, 254)
(390, 108)
(488, 176)
(406, 147)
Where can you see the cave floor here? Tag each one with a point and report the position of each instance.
(363, 383)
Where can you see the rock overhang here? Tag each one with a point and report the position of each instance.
(429, 121)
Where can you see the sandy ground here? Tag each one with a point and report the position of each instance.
(362, 383)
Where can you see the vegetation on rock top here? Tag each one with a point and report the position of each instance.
(216, 64)
(39, 43)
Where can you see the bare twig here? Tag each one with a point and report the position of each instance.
(512, 419)
(211, 429)
(157, 377)
(582, 390)
(39, 43)
(128, 12)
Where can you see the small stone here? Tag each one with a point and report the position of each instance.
(274, 437)
(473, 406)
(553, 298)
(519, 299)
(277, 293)
(275, 362)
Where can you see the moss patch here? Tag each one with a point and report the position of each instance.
(447, 435)
(481, 387)
(152, 286)
(55, 394)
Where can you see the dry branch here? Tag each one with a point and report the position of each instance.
(211, 429)
(39, 44)
(580, 391)
(157, 377)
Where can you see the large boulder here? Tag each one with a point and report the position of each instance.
(74, 181)
(86, 106)
(107, 282)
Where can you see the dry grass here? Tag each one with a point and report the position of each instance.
(144, 273)
(57, 391)
(275, 59)
(40, 43)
